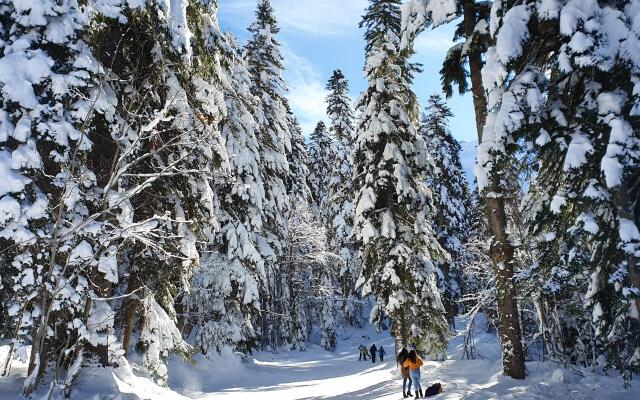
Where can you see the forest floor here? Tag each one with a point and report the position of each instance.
(317, 374)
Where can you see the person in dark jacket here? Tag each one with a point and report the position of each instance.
(372, 351)
(381, 353)
(400, 359)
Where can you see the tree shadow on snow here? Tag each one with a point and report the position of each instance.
(372, 392)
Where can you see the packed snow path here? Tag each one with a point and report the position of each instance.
(317, 374)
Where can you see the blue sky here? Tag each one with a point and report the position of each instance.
(319, 36)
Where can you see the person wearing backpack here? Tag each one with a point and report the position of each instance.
(381, 353)
(413, 363)
(363, 352)
(400, 359)
(373, 351)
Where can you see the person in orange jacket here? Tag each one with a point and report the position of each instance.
(413, 363)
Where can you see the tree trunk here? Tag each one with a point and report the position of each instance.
(130, 307)
(501, 251)
(475, 69)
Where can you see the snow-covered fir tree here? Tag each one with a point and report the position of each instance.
(124, 181)
(297, 185)
(339, 204)
(450, 196)
(463, 63)
(392, 226)
(321, 161)
(265, 65)
(572, 97)
(170, 105)
(49, 190)
(225, 291)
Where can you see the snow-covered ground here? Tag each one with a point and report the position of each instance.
(316, 374)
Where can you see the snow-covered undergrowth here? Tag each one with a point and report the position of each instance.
(318, 374)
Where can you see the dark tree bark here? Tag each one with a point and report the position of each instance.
(501, 250)
(130, 308)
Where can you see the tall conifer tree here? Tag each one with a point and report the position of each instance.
(574, 101)
(393, 209)
(340, 193)
(265, 64)
(450, 195)
(321, 163)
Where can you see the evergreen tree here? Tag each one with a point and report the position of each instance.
(392, 218)
(48, 190)
(321, 165)
(465, 60)
(297, 186)
(167, 152)
(122, 195)
(339, 206)
(265, 65)
(225, 291)
(574, 101)
(450, 196)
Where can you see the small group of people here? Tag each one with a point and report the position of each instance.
(371, 352)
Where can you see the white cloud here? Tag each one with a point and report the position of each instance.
(306, 90)
(431, 41)
(318, 17)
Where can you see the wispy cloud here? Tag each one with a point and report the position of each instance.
(306, 89)
(433, 41)
(317, 17)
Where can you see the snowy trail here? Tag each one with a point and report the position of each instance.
(316, 374)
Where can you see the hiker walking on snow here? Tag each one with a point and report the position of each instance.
(381, 353)
(413, 362)
(363, 352)
(400, 359)
(373, 350)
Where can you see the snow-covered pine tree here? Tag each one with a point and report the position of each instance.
(225, 290)
(450, 196)
(297, 186)
(574, 100)
(265, 65)
(393, 206)
(328, 319)
(321, 161)
(296, 274)
(48, 189)
(473, 28)
(162, 151)
(339, 205)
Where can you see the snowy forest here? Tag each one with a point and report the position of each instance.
(159, 198)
